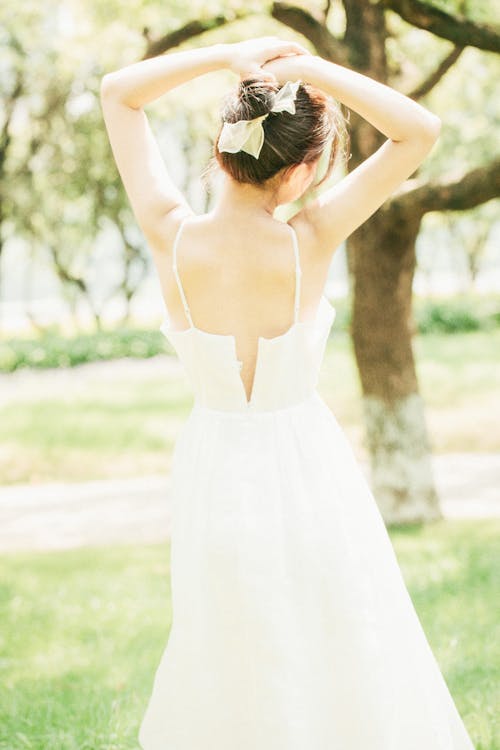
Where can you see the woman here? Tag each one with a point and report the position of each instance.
(292, 626)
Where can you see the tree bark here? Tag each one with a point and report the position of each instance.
(458, 29)
(188, 31)
(383, 250)
(314, 29)
(472, 189)
(435, 76)
(383, 264)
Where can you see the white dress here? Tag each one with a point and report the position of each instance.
(292, 626)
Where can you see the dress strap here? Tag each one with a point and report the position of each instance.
(176, 274)
(298, 274)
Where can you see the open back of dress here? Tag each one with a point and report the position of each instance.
(287, 366)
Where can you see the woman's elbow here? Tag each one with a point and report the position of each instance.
(107, 84)
(432, 126)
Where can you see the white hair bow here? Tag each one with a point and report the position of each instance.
(248, 135)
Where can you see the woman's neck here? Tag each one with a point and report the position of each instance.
(243, 200)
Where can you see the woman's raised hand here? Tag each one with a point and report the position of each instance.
(248, 58)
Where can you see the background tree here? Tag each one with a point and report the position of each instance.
(58, 188)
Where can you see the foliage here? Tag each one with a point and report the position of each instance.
(457, 315)
(54, 350)
(64, 191)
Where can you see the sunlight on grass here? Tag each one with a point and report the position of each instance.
(452, 573)
(83, 632)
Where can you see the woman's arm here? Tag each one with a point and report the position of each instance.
(411, 132)
(151, 191)
(140, 83)
(394, 114)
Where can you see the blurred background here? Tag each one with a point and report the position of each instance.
(92, 395)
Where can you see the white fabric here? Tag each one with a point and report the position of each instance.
(292, 625)
(248, 135)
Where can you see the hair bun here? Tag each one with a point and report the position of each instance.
(317, 125)
(253, 80)
(257, 94)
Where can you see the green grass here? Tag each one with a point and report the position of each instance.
(115, 420)
(451, 570)
(89, 428)
(83, 631)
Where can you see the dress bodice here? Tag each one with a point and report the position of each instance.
(287, 366)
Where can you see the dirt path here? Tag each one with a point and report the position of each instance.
(64, 515)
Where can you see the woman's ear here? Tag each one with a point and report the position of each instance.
(296, 180)
(305, 174)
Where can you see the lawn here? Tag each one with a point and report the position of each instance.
(120, 418)
(83, 631)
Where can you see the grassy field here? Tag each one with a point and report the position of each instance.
(83, 631)
(120, 418)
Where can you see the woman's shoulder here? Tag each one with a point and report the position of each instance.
(242, 234)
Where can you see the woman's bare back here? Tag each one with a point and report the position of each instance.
(239, 279)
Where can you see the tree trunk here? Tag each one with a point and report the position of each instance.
(383, 265)
(384, 259)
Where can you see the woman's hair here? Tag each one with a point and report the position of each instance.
(289, 139)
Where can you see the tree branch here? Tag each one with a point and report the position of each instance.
(365, 36)
(64, 273)
(457, 29)
(314, 29)
(10, 101)
(188, 31)
(474, 188)
(435, 76)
